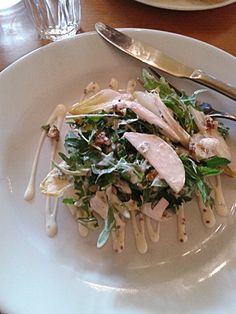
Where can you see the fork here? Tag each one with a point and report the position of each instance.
(205, 107)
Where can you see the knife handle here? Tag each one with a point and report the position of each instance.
(210, 81)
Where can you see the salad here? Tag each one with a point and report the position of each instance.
(135, 157)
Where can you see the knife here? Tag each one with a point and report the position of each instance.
(159, 60)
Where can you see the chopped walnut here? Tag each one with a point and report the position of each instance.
(210, 123)
(54, 133)
(151, 175)
(102, 139)
(116, 108)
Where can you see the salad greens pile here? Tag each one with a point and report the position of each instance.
(96, 147)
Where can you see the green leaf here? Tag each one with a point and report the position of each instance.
(216, 161)
(191, 100)
(207, 171)
(149, 81)
(103, 238)
(65, 158)
(83, 136)
(108, 226)
(204, 190)
(69, 201)
(223, 130)
(101, 172)
(195, 173)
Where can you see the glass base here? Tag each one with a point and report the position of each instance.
(56, 34)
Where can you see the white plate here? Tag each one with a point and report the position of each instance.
(185, 5)
(68, 274)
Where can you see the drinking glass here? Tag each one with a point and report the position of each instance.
(55, 19)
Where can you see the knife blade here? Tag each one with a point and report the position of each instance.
(157, 59)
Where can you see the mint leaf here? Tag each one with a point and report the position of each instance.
(216, 161)
(207, 171)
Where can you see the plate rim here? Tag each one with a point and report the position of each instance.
(92, 33)
(187, 8)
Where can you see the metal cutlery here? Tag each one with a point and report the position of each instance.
(157, 59)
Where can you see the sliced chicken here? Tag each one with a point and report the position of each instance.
(99, 203)
(223, 148)
(208, 142)
(161, 156)
(148, 116)
(199, 119)
(107, 99)
(157, 211)
(153, 102)
(203, 146)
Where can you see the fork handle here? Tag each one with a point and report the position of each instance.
(201, 77)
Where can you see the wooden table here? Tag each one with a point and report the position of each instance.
(217, 27)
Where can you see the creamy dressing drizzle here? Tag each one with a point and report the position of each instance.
(51, 223)
(139, 235)
(114, 84)
(208, 217)
(131, 85)
(181, 224)
(58, 114)
(83, 231)
(56, 118)
(118, 235)
(30, 190)
(220, 205)
(92, 87)
(153, 232)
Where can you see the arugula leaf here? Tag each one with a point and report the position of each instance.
(149, 81)
(83, 136)
(107, 180)
(74, 144)
(108, 227)
(65, 158)
(101, 172)
(195, 173)
(192, 99)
